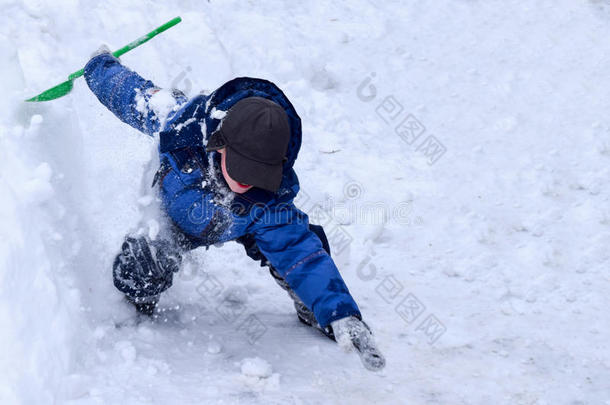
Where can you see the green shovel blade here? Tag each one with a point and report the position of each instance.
(55, 92)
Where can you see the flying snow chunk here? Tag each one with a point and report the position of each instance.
(215, 347)
(256, 367)
(36, 119)
(160, 101)
(218, 114)
(256, 375)
(38, 188)
(153, 228)
(146, 200)
(126, 350)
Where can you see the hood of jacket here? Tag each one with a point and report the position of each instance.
(196, 121)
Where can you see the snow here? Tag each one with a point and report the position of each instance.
(258, 375)
(256, 367)
(481, 128)
(161, 102)
(218, 114)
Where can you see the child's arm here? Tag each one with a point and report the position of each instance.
(127, 94)
(283, 236)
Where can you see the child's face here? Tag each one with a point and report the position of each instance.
(235, 186)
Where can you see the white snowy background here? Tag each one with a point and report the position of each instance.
(498, 251)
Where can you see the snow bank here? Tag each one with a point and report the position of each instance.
(39, 303)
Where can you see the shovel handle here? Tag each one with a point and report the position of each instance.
(135, 44)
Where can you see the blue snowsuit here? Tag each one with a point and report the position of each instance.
(196, 197)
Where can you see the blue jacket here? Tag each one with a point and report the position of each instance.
(195, 195)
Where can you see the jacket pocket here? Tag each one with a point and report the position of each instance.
(189, 166)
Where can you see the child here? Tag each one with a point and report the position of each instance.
(226, 173)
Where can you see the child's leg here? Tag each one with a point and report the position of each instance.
(304, 314)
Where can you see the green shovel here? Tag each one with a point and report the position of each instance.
(64, 88)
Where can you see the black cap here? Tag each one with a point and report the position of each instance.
(255, 133)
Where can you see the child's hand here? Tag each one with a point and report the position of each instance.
(102, 49)
(352, 333)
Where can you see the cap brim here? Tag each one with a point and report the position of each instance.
(246, 171)
(215, 142)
